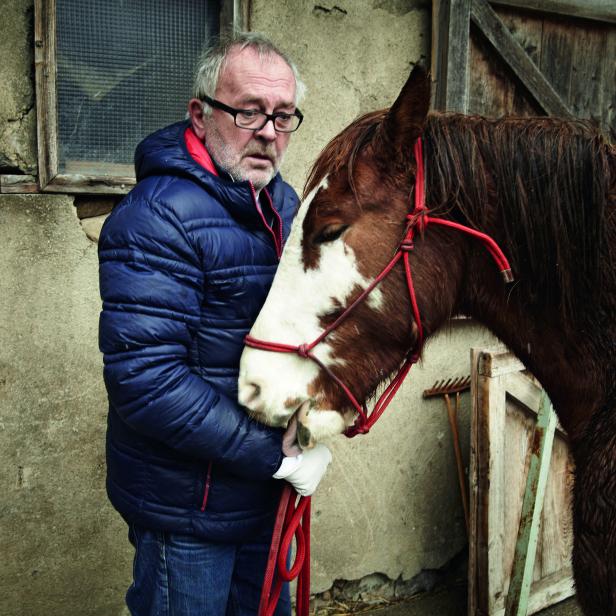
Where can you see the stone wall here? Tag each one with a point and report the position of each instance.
(388, 509)
(17, 109)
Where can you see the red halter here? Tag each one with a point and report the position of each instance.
(418, 220)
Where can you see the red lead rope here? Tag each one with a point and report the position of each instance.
(290, 515)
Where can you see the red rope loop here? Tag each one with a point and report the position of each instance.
(292, 520)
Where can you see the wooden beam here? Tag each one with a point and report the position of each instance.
(532, 506)
(92, 184)
(45, 78)
(599, 10)
(512, 53)
(450, 27)
(18, 184)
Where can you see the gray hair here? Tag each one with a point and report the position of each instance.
(213, 59)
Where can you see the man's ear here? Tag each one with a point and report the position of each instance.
(197, 117)
(405, 120)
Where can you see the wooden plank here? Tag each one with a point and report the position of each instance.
(557, 55)
(45, 79)
(475, 480)
(484, 17)
(608, 80)
(600, 10)
(74, 183)
(526, 391)
(498, 462)
(587, 68)
(498, 480)
(18, 184)
(556, 536)
(480, 477)
(490, 84)
(450, 27)
(528, 533)
(527, 30)
(498, 362)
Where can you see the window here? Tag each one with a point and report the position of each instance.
(108, 74)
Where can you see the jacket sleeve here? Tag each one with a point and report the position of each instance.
(151, 284)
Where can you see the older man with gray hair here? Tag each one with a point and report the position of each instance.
(186, 260)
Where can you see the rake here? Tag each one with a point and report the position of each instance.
(445, 388)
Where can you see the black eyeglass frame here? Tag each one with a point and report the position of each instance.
(212, 102)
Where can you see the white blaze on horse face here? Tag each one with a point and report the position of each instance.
(291, 314)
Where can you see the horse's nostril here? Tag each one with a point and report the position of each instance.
(249, 394)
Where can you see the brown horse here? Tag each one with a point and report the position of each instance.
(545, 191)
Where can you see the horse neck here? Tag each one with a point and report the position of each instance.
(564, 361)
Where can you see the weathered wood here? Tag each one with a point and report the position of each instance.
(609, 79)
(493, 29)
(74, 183)
(479, 477)
(45, 80)
(18, 184)
(586, 96)
(489, 83)
(600, 10)
(502, 428)
(557, 55)
(528, 533)
(450, 41)
(234, 15)
(498, 363)
(493, 90)
(527, 30)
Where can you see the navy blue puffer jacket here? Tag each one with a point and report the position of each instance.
(186, 261)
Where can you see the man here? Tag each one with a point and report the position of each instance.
(186, 261)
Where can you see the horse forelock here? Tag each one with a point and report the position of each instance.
(343, 150)
(546, 182)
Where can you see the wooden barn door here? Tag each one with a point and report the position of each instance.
(526, 57)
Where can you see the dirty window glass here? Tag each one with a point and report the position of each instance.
(124, 70)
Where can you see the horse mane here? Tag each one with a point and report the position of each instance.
(545, 181)
(343, 150)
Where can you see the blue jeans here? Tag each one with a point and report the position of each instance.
(182, 575)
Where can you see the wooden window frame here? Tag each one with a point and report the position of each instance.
(450, 46)
(234, 14)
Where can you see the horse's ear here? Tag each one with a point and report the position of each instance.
(405, 120)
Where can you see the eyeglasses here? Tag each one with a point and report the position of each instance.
(251, 119)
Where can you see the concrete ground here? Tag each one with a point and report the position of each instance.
(452, 602)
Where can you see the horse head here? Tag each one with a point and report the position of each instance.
(348, 227)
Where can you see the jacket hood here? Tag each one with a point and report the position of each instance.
(165, 153)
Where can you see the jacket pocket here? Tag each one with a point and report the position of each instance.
(206, 488)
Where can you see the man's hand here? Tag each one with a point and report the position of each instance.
(305, 471)
(290, 446)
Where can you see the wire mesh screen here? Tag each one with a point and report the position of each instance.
(125, 69)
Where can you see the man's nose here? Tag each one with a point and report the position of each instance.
(267, 132)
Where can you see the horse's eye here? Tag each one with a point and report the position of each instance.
(329, 233)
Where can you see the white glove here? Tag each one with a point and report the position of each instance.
(305, 471)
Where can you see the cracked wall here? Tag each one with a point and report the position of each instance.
(354, 56)
(17, 111)
(59, 533)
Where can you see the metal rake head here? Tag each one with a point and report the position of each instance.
(448, 386)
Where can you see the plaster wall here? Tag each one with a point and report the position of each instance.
(390, 503)
(63, 547)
